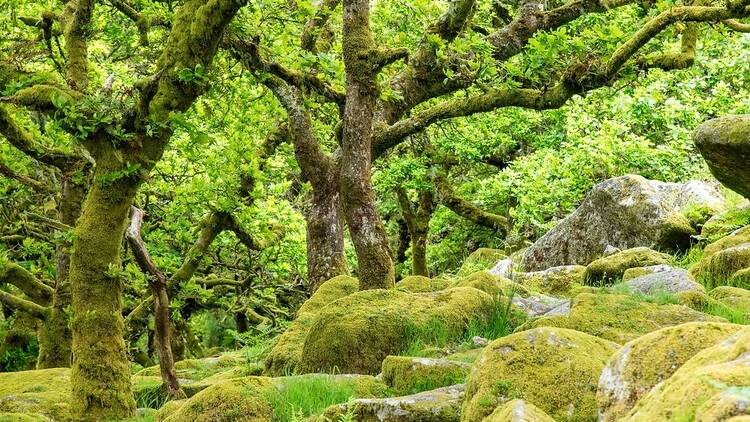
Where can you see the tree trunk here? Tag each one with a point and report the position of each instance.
(418, 223)
(100, 377)
(325, 236)
(55, 338)
(362, 62)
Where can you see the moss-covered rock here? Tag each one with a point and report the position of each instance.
(355, 334)
(722, 259)
(646, 361)
(673, 282)
(725, 145)
(555, 369)
(410, 375)
(20, 417)
(480, 260)
(712, 386)
(44, 392)
(491, 284)
(198, 369)
(421, 284)
(623, 212)
(241, 399)
(636, 272)
(168, 409)
(610, 268)
(619, 318)
(518, 411)
(286, 353)
(725, 223)
(734, 297)
(555, 281)
(440, 405)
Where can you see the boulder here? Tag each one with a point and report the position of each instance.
(421, 284)
(504, 268)
(286, 352)
(623, 212)
(554, 281)
(673, 281)
(725, 145)
(354, 334)
(632, 273)
(556, 369)
(619, 318)
(481, 259)
(492, 285)
(734, 297)
(611, 268)
(710, 386)
(646, 361)
(440, 405)
(541, 305)
(409, 375)
(518, 411)
(722, 259)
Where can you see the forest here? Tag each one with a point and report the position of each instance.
(375, 210)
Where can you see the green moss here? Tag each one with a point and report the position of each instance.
(558, 281)
(168, 409)
(518, 411)
(619, 318)
(555, 369)
(466, 356)
(286, 353)
(20, 417)
(355, 333)
(198, 369)
(646, 361)
(45, 392)
(421, 284)
(409, 375)
(713, 381)
(239, 399)
(491, 284)
(481, 259)
(610, 268)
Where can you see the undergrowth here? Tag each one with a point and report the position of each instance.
(307, 396)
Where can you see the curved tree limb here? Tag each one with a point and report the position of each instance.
(14, 274)
(27, 306)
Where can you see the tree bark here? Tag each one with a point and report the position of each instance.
(362, 62)
(158, 286)
(55, 338)
(100, 376)
(418, 224)
(325, 235)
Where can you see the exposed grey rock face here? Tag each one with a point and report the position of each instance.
(440, 405)
(542, 305)
(673, 281)
(725, 145)
(503, 268)
(622, 213)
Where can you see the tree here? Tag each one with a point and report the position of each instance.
(446, 76)
(125, 140)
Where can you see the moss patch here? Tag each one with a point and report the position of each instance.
(723, 258)
(355, 334)
(409, 375)
(555, 369)
(45, 392)
(518, 411)
(421, 284)
(491, 284)
(646, 361)
(610, 268)
(725, 223)
(558, 281)
(619, 318)
(712, 385)
(481, 259)
(286, 353)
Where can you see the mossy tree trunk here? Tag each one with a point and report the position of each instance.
(418, 224)
(100, 377)
(55, 337)
(362, 61)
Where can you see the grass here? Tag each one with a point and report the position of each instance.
(688, 258)
(309, 395)
(501, 320)
(733, 315)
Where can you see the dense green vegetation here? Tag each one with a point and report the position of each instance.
(177, 178)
